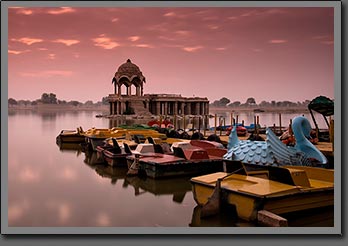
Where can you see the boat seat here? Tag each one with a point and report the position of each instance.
(179, 152)
(139, 138)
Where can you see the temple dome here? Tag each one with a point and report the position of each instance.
(128, 71)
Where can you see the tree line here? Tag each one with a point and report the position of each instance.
(51, 98)
(250, 102)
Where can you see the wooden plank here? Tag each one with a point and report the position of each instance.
(267, 218)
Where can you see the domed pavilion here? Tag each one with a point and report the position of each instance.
(126, 100)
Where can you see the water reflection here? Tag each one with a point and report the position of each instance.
(70, 147)
(112, 173)
(177, 187)
(227, 218)
(58, 185)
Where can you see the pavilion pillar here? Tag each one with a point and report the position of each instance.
(111, 109)
(175, 108)
(188, 108)
(197, 108)
(182, 108)
(165, 108)
(119, 90)
(158, 107)
(115, 108)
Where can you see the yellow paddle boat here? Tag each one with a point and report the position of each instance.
(278, 190)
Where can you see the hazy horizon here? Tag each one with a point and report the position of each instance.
(234, 52)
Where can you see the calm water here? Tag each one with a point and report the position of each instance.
(57, 186)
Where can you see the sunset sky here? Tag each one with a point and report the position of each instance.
(266, 53)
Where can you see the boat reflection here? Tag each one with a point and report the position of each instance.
(113, 173)
(70, 147)
(92, 159)
(226, 218)
(178, 187)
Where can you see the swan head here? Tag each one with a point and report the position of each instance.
(302, 128)
(233, 139)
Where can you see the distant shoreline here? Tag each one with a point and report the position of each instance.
(105, 108)
(299, 109)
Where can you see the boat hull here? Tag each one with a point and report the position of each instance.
(171, 166)
(251, 194)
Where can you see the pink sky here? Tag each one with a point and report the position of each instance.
(266, 53)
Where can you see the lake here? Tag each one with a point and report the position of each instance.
(52, 186)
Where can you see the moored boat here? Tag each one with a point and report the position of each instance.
(278, 190)
(186, 161)
(71, 136)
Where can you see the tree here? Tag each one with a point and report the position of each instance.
(48, 98)
(224, 101)
(74, 103)
(12, 101)
(264, 104)
(105, 101)
(89, 103)
(250, 101)
(235, 104)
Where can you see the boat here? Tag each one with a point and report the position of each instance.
(187, 161)
(71, 136)
(114, 154)
(277, 190)
(274, 152)
(241, 130)
(95, 136)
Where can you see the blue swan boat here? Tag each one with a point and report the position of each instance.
(273, 151)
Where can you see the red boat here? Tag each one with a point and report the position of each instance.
(241, 131)
(163, 124)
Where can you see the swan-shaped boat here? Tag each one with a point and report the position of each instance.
(273, 151)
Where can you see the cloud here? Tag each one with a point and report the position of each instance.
(42, 49)
(47, 74)
(257, 50)
(51, 56)
(133, 38)
(249, 13)
(17, 52)
(213, 27)
(208, 18)
(232, 18)
(220, 48)
(277, 41)
(192, 49)
(62, 10)
(144, 46)
(162, 27)
(24, 11)
(105, 42)
(114, 19)
(183, 32)
(28, 41)
(167, 38)
(67, 42)
(169, 14)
